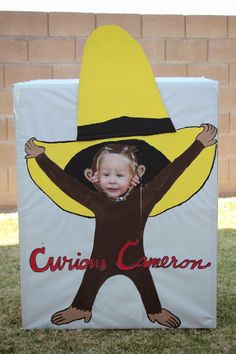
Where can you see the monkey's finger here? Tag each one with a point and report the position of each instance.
(175, 320)
(56, 317)
(28, 145)
(212, 133)
(205, 127)
(212, 142)
(168, 324)
(27, 148)
(59, 322)
(31, 142)
(215, 131)
(212, 127)
(172, 322)
(27, 142)
(32, 139)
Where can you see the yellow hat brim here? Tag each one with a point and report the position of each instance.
(171, 145)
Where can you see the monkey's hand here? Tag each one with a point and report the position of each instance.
(32, 150)
(207, 136)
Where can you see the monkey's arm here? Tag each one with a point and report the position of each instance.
(160, 184)
(69, 185)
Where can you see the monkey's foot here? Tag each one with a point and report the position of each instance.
(165, 318)
(70, 314)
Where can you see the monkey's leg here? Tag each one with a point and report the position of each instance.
(81, 307)
(144, 283)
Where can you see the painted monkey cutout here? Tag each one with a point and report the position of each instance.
(127, 162)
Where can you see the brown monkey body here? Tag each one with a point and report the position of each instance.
(116, 223)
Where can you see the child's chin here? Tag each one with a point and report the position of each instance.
(113, 194)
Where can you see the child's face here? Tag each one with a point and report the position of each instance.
(115, 175)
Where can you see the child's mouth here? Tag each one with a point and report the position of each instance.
(112, 189)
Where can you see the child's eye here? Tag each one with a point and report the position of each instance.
(119, 175)
(105, 174)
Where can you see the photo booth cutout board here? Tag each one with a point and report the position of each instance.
(47, 110)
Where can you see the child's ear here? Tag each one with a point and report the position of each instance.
(88, 173)
(141, 170)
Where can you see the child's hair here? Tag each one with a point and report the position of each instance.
(128, 151)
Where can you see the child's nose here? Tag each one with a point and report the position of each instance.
(112, 179)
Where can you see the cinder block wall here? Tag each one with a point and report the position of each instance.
(49, 45)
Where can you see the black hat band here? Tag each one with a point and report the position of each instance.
(125, 126)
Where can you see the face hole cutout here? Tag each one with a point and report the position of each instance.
(149, 160)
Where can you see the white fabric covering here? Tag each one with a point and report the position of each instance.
(47, 109)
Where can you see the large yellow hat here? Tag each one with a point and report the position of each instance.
(119, 100)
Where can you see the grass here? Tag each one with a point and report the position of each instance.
(221, 340)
